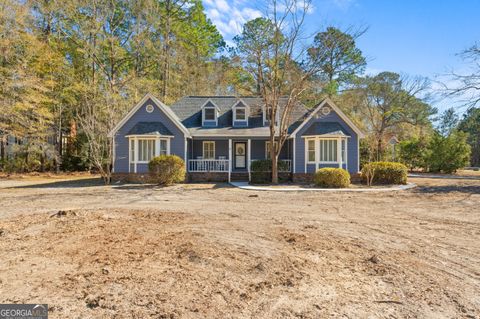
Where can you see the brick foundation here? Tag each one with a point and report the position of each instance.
(302, 178)
(208, 177)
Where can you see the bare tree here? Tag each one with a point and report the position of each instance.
(284, 71)
(466, 86)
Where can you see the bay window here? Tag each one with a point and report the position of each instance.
(326, 150)
(143, 149)
(146, 150)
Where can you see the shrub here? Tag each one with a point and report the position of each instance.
(412, 153)
(266, 165)
(261, 171)
(385, 173)
(167, 169)
(332, 177)
(448, 154)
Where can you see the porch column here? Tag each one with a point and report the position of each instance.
(248, 157)
(339, 152)
(229, 158)
(135, 154)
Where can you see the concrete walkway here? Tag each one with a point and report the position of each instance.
(245, 185)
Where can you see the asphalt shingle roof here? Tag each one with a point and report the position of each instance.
(325, 128)
(188, 109)
(149, 128)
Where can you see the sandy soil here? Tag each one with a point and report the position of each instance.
(213, 251)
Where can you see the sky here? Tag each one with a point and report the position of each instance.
(416, 38)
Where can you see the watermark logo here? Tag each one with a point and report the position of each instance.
(23, 311)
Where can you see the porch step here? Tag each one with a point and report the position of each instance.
(239, 177)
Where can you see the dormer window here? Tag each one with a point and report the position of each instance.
(209, 114)
(240, 114)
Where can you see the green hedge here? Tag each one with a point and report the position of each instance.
(266, 165)
(167, 169)
(266, 177)
(331, 178)
(385, 172)
(261, 172)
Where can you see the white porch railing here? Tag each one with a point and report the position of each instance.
(287, 161)
(208, 165)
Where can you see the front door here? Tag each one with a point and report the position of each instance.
(240, 155)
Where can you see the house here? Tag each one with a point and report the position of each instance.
(220, 136)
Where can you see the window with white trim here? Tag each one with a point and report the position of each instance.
(240, 114)
(142, 150)
(209, 114)
(163, 147)
(325, 151)
(208, 150)
(311, 150)
(328, 151)
(146, 149)
(132, 150)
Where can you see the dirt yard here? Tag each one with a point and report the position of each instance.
(213, 251)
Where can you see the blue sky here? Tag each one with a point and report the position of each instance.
(406, 36)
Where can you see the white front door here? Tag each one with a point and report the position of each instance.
(240, 155)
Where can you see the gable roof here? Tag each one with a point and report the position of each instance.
(339, 113)
(168, 112)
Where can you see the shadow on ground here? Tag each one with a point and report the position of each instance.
(185, 187)
(86, 182)
(469, 189)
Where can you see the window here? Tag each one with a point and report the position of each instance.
(328, 151)
(344, 151)
(142, 150)
(267, 149)
(132, 150)
(209, 114)
(311, 150)
(209, 150)
(146, 150)
(240, 114)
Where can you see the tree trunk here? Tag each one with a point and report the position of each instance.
(2, 149)
(166, 51)
(274, 168)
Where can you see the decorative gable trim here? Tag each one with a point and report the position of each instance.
(339, 113)
(165, 109)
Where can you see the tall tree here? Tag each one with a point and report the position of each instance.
(257, 37)
(470, 123)
(338, 57)
(387, 101)
(284, 70)
(448, 121)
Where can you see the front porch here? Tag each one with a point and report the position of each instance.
(230, 158)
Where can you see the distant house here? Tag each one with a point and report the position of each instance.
(220, 136)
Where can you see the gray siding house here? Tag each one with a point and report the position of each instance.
(220, 136)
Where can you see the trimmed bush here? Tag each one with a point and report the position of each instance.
(332, 178)
(266, 165)
(167, 169)
(385, 173)
(261, 172)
